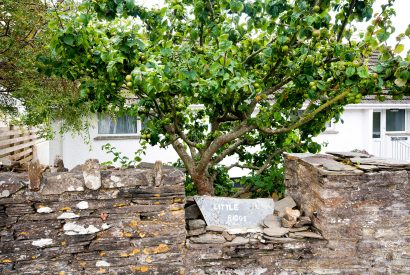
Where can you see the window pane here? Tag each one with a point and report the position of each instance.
(395, 120)
(376, 125)
(118, 125)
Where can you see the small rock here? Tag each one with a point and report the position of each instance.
(282, 204)
(196, 232)
(303, 221)
(297, 229)
(209, 239)
(291, 215)
(287, 224)
(306, 234)
(227, 236)
(215, 228)
(275, 232)
(240, 240)
(196, 224)
(35, 173)
(277, 239)
(77, 169)
(192, 212)
(59, 164)
(92, 174)
(271, 221)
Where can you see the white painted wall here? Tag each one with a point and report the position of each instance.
(353, 133)
(75, 150)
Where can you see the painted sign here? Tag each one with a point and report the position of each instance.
(234, 213)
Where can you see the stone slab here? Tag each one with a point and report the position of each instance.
(234, 213)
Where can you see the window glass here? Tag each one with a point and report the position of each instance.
(395, 120)
(117, 125)
(376, 124)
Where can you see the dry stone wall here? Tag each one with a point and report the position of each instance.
(350, 215)
(92, 221)
(359, 205)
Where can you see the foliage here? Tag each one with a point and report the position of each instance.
(265, 184)
(224, 185)
(26, 94)
(220, 78)
(118, 157)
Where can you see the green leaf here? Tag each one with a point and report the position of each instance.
(400, 82)
(399, 48)
(350, 71)
(362, 72)
(382, 35)
(225, 45)
(68, 39)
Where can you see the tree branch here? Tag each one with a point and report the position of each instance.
(307, 118)
(343, 26)
(228, 151)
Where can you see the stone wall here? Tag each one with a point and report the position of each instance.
(133, 221)
(110, 221)
(360, 205)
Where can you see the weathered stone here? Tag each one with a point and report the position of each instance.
(297, 229)
(349, 154)
(272, 221)
(92, 174)
(192, 212)
(240, 241)
(282, 204)
(209, 239)
(196, 232)
(215, 228)
(305, 234)
(10, 183)
(77, 169)
(228, 236)
(57, 184)
(35, 173)
(234, 213)
(196, 224)
(275, 232)
(290, 214)
(59, 165)
(302, 221)
(287, 223)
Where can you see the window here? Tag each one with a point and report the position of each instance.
(395, 120)
(376, 124)
(117, 125)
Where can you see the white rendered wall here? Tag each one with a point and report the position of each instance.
(76, 151)
(353, 133)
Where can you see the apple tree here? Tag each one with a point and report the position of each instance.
(219, 78)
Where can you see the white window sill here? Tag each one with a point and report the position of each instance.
(398, 133)
(117, 137)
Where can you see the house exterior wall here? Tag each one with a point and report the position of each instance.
(75, 149)
(355, 132)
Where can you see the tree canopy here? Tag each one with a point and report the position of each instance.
(23, 38)
(216, 78)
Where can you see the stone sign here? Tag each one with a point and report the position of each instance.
(234, 213)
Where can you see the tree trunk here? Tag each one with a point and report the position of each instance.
(203, 184)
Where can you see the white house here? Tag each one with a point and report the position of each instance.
(379, 128)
